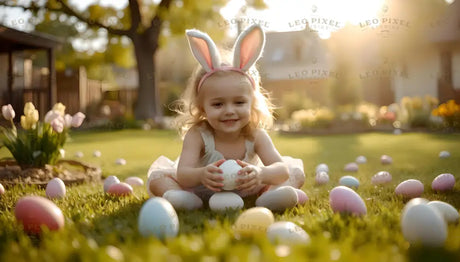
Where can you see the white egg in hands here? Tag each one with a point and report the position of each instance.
(410, 188)
(288, 233)
(382, 177)
(109, 181)
(424, 224)
(55, 188)
(222, 201)
(361, 160)
(444, 154)
(230, 170)
(345, 200)
(321, 178)
(449, 212)
(134, 181)
(158, 218)
(443, 182)
(322, 168)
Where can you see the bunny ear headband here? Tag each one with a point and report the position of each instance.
(247, 50)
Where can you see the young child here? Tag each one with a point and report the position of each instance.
(223, 115)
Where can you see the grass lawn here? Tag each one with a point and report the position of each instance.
(104, 228)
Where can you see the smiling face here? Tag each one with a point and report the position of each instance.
(226, 101)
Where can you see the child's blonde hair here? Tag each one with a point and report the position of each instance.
(190, 114)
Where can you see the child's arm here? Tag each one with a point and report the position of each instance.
(273, 173)
(189, 173)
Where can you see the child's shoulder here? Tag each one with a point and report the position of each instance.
(259, 134)
(194, 132)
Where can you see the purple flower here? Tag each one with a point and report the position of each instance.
(8, 112)
(77, 119)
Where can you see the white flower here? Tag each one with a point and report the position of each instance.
(58, 124)
(77, 119)
(8, 112)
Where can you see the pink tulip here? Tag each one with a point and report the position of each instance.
(58, 124)
(67, 121)
(51, 115)
(8, 112)
(77, 119)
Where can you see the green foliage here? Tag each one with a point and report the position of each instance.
(34, 147)
(104, 228)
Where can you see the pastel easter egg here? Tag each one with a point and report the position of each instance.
(287, 233)
(386, 160)
(222, 201)
(97, 153)
(397, 131)
(351, 167)
(134, 181)
(349, 181)
(414, 202)
(382, 177)
(110, 180)
(230, 170)
(410, 188)
(449, 212)
(361, 160)
(79, 154)
(345, 200)
(321, 178)
(423, 224)
(444, 154)
(55, 188)
(120, 161)
(2, 190)
(301, 196)
(253, 221)
(158, 218)
(322, 168)
(34, 212)
(443, 182)
(120, 189)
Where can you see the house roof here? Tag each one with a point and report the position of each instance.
(14, 40)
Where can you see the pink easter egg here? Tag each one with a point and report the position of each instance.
(344, 199)
(301, 196)
(443, 182)
(321, 178)
(35, 211)
(2, 189)
(386, 160)
(120, 189)
(351, 167)
(382, 177)
(134, 181)
(55, 188)
(410, 188)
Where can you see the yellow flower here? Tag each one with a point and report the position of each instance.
(30, 117)
(60, 108)
(417, 103)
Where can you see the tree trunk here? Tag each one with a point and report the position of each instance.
(148, 101)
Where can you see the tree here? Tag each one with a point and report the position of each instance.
(145, 24)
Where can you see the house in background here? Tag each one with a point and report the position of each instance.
(21, 80)
(434, 68)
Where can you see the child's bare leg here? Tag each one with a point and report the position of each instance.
(161, 183)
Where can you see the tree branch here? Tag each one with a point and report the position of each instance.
(135, 15)
(68, 10)
(155, 25)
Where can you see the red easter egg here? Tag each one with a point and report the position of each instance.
(120, 189)
(345, 199)
(301, 196)
(35, 211)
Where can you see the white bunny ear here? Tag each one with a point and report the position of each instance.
(204, 49)
(248, 47)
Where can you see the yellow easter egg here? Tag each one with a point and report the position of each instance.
(253, 221)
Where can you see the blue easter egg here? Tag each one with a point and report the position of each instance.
(158, 218)
(349, 181)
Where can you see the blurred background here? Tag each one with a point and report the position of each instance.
(330, 65)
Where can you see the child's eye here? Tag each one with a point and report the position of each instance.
(240, 102)
(216, 104)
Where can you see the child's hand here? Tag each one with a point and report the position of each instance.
(250, 176)
(209, 179)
